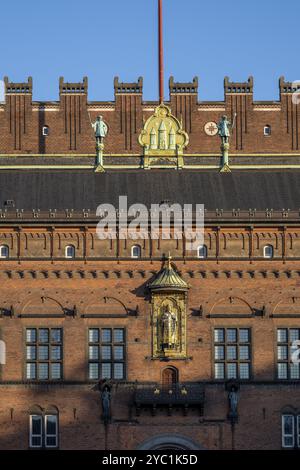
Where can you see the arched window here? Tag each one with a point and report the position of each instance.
(70, 251)
(136, 251)
(45, 131)
(202, 251)
(267, 130)
(4, 251)
(43, 428)
(51, 430)
(268, 251)
(169, 377)
(35, 427)
(290, 430)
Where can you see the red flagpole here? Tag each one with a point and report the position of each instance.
(160, 52)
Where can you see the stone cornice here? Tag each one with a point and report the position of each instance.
(73, 273)
(89, 215)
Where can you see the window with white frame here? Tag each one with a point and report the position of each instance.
(267, 131)
(290, 431)
(36, 431)
(51, 430)
(136, 251)
(4, 251)
(268, 251)
(202, 251)
(43, 431)
(45, 131)
(288, 354)
(69, 251)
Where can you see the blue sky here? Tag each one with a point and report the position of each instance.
(105, 38)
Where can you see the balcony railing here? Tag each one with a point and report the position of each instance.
(185, 396)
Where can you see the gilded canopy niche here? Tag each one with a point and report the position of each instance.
(168, 300)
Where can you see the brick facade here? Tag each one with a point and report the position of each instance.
(68, 120)
(79, 294)
(49, 191)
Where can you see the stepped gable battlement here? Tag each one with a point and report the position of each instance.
(63, 127)
(230, 87)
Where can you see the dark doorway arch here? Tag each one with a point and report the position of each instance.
(170, 442)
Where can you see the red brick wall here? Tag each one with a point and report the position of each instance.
(221, 289)
(21, 119)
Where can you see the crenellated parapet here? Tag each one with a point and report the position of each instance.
(183, 87)
(288, 87)
(72, 88)
(290, 100)
(238, 87)
(63, 127)
(124, 87)
(22, 88)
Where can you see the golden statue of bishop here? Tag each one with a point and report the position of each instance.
(169, 329)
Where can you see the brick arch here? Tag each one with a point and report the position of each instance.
(105, 305)
(287, 304)
(224, 240)
(257, 240)
(289, 409)
(7, 239)
(170, 441)
(51, 409)
(210, 239)
(290, 237)
(71, 238)
(41, 304)
(230, 304)
(35, 410)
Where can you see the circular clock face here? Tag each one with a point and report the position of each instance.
(211, 128)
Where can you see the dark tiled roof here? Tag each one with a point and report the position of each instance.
(86, 189)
